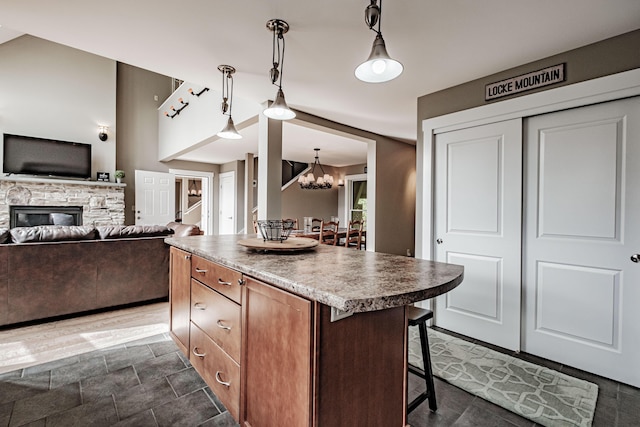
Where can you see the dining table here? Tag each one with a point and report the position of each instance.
(342, 233)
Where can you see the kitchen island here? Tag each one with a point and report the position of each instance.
(310, 338)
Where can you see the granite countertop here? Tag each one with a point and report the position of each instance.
(348, 279)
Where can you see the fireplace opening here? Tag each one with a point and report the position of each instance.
(26, 216)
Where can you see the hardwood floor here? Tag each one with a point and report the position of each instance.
(32, 345)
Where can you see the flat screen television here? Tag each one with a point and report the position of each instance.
(39, 156)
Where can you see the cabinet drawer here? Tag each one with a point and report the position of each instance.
(219, 371)
(222, 279)
(218, 317)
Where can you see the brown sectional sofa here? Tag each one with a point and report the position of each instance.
(48, 271)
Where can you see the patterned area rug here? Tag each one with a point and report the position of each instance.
(548, 397)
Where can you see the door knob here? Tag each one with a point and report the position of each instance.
(635, 257)
(439, 241)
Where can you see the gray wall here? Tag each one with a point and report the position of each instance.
(137, 115)
(52, 91)
(395, 188)
(610, 56)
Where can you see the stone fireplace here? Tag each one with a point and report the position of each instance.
(60, 201)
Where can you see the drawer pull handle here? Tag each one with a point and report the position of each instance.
(201, 271)
(222, 326)
(187, 257)
(200, 306)
(222, 282)
(224, 383)
(195, 352)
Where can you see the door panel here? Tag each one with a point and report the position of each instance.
(227, 203)
(155, 198)
(581, 228)
(478, 179)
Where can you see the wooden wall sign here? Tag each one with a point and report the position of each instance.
(535, 79)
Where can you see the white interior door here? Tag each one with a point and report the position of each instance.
(155, 198)
(227, 218)
(478, 200)
(582, 227)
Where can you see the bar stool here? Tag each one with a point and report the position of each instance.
(418, 317)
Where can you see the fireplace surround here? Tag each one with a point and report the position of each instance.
(102, 203)
(26, 216)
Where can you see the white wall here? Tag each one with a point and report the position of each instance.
(199, 122)
(52, 91)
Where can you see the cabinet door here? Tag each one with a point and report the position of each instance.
(179, 297)
(278, 358)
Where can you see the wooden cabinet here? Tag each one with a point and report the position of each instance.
(217, 277)
(206, 322)
(218, 370)
(180, 297)
(276, 359)
(218, 317)
(278, 362)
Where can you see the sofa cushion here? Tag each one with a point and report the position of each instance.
(52, 233)
(182, 230)
(5, 236)
(120, 231)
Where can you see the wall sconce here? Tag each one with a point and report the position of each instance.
(102, 133)
(199, 93)
(341, 183)
(176, 111)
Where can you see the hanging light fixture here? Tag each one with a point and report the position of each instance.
(309, 182)
(194, 190)
(279, 109)
(379, 67)
(229, 131)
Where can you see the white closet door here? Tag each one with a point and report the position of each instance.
(227, 201)
(582, 228)
(478, 214)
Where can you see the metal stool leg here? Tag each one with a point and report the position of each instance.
(427, 373)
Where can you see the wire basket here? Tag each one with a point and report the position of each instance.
(275, 229)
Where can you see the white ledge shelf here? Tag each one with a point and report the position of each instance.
(37, 179)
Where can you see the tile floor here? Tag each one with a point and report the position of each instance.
(147, 382)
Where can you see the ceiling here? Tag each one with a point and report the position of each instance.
(440, 43)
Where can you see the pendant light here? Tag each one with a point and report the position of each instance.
(379, 67)
(279, 109)
(229, 131)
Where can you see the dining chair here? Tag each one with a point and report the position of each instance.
(329, 232)
(316, 224)
(353, 239)
(291, 220)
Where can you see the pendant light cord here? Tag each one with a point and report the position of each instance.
(379, 30)
(279, 64)
(226, 77)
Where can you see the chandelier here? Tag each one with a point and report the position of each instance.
(309, 182)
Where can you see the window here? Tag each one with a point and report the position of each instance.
(357, 198)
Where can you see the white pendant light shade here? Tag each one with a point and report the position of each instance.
(229, 131)
(379, 67)
(279, 110)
